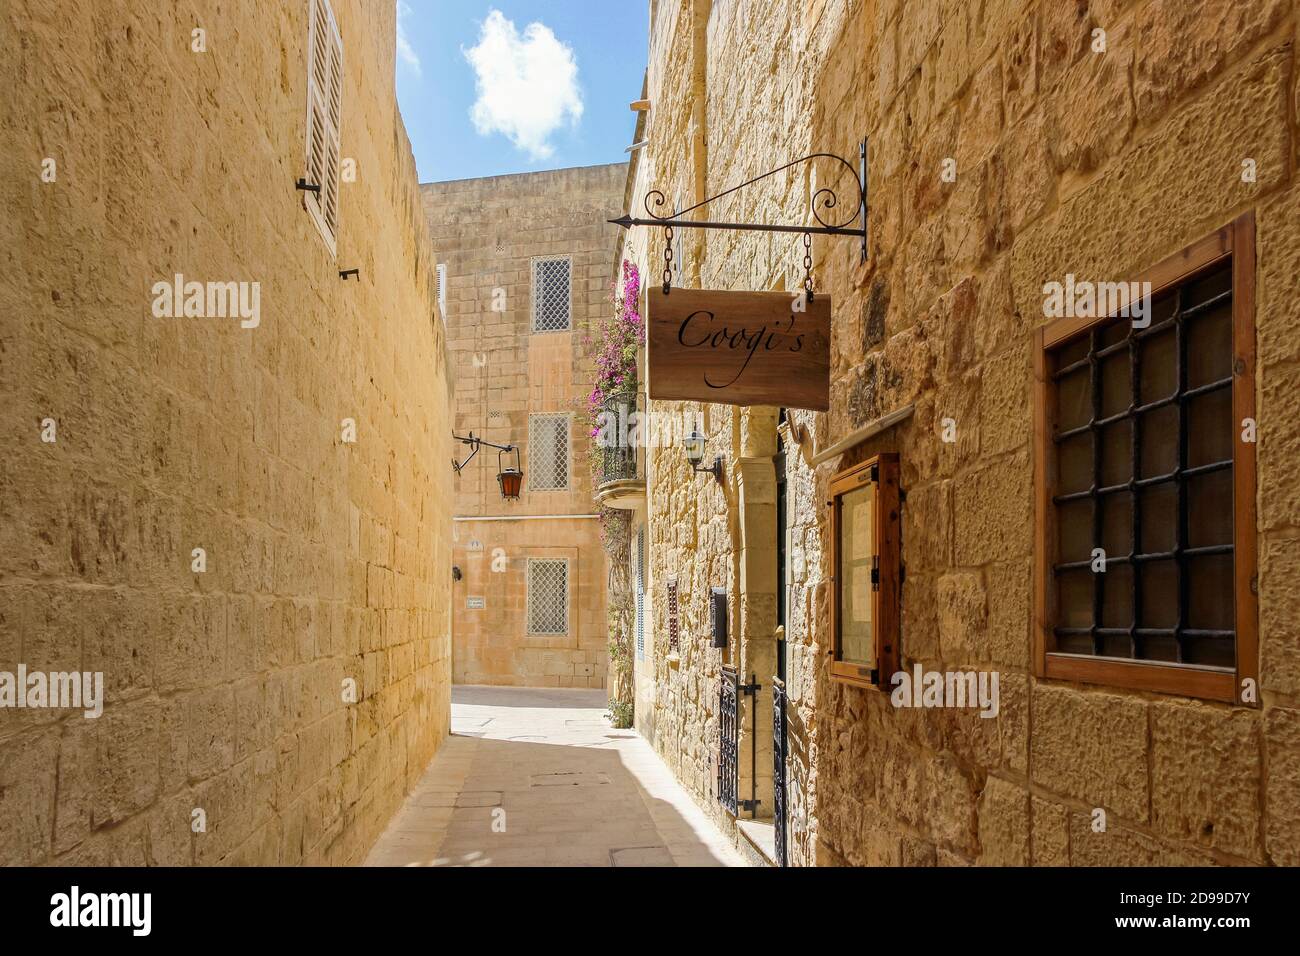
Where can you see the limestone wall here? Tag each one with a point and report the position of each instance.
(487, 232)
(326, 560)
(1067, 160)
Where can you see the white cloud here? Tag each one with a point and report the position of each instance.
(405, 52)
(527, 86)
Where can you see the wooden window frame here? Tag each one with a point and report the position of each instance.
(1237, 241)
(887, 597)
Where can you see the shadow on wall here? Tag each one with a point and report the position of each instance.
(861, 392)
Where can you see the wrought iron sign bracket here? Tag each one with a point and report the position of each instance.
(823, 199)
(474, 442)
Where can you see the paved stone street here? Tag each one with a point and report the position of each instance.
(537, 777)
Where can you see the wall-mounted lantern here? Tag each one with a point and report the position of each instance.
(694, 446)
(456, 573)
(509, 477)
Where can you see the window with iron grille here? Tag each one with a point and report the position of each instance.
(548, 596)
(324, 120)
(548, 452)
(551, 295)
(640, 594)
(1145, 482)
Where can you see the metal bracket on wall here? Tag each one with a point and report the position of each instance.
(854, 225)
(474, 442)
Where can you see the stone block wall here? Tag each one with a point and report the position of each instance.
(487, 232)
(1067, 160)
(327, 560)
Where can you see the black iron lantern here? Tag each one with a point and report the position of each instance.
(510, 478)
(694, 447)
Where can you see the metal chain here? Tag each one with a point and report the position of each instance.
(668, 259)
(807, 266)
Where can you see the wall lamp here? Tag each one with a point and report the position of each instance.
(694, 445)
(510, 477)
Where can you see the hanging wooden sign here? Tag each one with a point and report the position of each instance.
(739, 348)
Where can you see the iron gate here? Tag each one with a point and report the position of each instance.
(778, 768)
(729, 727)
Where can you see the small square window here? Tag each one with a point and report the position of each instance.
(548, 596)
(551, 294)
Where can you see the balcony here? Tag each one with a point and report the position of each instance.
(621, 480)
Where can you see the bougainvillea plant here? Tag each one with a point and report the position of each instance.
(615, 343)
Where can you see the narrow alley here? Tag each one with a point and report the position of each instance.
(536, 777)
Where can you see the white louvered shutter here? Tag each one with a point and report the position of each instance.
(640, 593)
(324, 119)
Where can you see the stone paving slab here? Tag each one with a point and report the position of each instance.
(538, 777)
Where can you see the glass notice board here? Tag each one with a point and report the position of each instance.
(857, 548)
(867, 580)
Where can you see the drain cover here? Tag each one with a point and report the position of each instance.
(641, 856)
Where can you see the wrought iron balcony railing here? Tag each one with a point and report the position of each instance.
(617, 440)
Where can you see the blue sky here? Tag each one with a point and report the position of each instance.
(486, 93)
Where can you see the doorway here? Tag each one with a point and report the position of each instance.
(780, 634)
